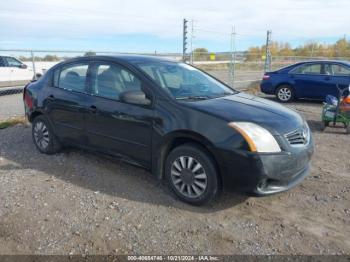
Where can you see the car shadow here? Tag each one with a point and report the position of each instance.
(316, 126)
(296, 101)
(98, 173)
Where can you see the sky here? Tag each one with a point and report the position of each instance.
(156, 25)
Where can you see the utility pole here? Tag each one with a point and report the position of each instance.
(233, 56)
(33, 63)
(268, 52)
(184, 40)
(192, 36)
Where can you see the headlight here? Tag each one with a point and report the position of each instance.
(257, 137)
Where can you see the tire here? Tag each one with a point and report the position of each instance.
(324, 124)
(43, 137)
(285, 93)
(348, 129)
(193, 181)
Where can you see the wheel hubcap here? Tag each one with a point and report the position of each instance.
(188, 176)
(41, 135)
(284, 94)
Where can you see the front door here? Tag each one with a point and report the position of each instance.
(115, 126)
(341, 77)
(18, 73)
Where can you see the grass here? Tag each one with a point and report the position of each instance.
(12, 122)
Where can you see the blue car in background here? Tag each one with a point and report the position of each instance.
(312, 79)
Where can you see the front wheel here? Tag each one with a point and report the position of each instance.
(191, 174)
(285, 93)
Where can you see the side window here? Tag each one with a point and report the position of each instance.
(111, 80)
(339, 70)
(72, 77)
(312, 69)
(12, 62)
(2, 62)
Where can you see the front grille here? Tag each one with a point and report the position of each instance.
(299, 137)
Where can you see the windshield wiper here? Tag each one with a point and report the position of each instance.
(193, 97)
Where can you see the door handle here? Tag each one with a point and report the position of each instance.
(93, 109)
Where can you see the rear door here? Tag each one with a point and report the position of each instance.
(66, 99)
(115, 126)
(309, 81)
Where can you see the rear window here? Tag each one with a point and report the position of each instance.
(310, 69)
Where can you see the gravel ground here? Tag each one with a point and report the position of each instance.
(77, 202)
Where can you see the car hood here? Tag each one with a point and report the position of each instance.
(276, 118)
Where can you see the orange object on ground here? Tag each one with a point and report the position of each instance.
(346, 100)
(345, 105)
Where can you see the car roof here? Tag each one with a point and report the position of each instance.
(325, 61)
(126, 58)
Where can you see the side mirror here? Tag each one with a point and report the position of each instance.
(136, 97)
(23, 66)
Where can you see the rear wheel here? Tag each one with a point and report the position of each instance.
(43, 136)
(191, 174)
(285, 93)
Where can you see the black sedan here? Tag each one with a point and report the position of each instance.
(169, 117)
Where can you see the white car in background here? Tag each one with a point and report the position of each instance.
(14, 72)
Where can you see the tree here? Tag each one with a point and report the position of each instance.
(51, 58)
(200, 54)
(90, 53)
(309, 49)
(254, 53)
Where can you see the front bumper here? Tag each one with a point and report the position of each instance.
(265, 174)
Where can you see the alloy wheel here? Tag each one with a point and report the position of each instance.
(188, 176)
(41, 135)
(285, 94)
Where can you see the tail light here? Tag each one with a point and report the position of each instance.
(266, 77)
(28, 101)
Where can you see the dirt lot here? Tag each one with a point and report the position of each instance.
(80, 203)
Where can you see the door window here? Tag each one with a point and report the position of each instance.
(111, 80)
(12, 62)
(308, 69)
(2, 62)
(72, 77)
(339, 70)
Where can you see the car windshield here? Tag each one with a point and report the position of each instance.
(183, 81)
